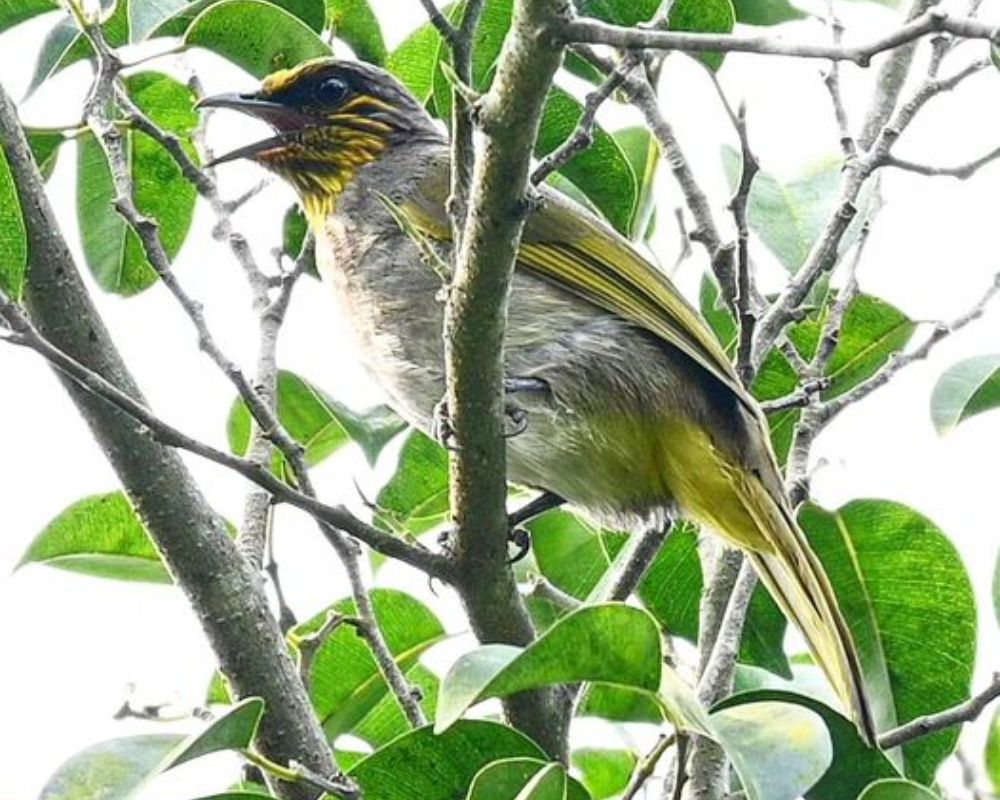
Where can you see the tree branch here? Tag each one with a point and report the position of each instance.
(940, 332)
(823, 255)
(891, 77)
(152, 428)
(590, 31)
(261, 397)
(474, 331)
(224, 591)
(583, 135)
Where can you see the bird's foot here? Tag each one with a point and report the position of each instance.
(516, 413)
(517, 534)
(520, 538)
(442, 430)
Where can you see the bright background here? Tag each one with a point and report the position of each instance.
(72, 644)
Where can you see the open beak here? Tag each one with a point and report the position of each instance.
(286, 121)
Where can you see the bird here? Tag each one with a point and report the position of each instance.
(634, 411)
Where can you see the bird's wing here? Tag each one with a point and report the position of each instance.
(565, 244)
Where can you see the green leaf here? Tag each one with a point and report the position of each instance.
(311, 12)
(965, 389)
(293, 235)
(609, 643)
(570, 552)
(549, 783)
(896, 789)
(13, 236)
(643, 155)
(574, 556)
(219, 692)
(113, 251)
(234, 730)
(57, 43)
(766, 12)
(110, 770)
(698, 16)
(294, 228)
(872, 331)
(415, 498)
(996, 589)
(65, 45)
(414, 61)
(346, 683)
(619, 12)
(605, 773)
(117, 769)
(779, 750)
(602, 172)
(100, 536)
(255, 35)
(14, 12)
(991, 753)
(907, 598)
(788, 214)
(45, 149)
(854, 765)
(145, 16)
(317, 422)
(429, 766)
(355, 24)
(704, 16)
(386, 720)
(237, 796)
(522, 778)
(494, 22)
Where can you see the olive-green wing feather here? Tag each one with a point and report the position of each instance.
(568, 246)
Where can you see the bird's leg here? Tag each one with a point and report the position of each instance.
(444, 432)
(517, 534)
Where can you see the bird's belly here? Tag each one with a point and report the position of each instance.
(589, 442)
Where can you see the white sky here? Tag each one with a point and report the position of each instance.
(73, 643)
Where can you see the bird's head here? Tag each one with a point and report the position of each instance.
(330, 117)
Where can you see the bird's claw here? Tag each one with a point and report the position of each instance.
(518, 417)
(521, 539)
(442, 430)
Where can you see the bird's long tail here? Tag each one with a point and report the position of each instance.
(748, 507)
(796, 580)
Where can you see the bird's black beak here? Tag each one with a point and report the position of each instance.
(248, 103)
(282, 118)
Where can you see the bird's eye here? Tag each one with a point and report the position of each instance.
(331, 91)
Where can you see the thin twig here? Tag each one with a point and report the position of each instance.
(309, 646)
(822, 257)
(960, 171)
(260, 399)
(745, 317)
(716, 679)
(643, 549)
(832, 82)
(542, 589)
(591, 31)
(647, 766)
(926, 725)
(24, 334)
(897, 362)
(448, 31)
(641, 94)
(583, 135)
